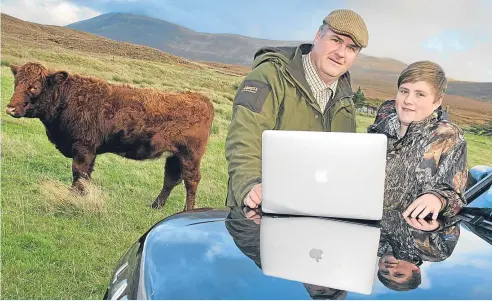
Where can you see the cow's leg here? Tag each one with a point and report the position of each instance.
(172, 177)
(191, 177)
(191, 155)
(82, 166)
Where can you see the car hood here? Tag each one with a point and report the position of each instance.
(215, 254)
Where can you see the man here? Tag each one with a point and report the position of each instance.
(292, 88)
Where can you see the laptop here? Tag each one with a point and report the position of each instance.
(320, 251)
(328, 174)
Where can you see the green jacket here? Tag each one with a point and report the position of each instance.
(276, 95)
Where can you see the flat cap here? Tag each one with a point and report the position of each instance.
(349, 23)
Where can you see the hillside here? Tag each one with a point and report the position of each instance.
(479, 91)
(175, 39)
(379, 74)
(16, 32)
(22, 41)
(217, 48)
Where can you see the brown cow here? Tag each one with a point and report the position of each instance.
(85, 117)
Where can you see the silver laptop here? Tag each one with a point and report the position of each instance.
(328, 174)
(320, 251)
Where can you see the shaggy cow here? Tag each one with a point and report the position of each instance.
(85, 117)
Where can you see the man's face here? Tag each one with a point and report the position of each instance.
(396, 270)
(333, 54)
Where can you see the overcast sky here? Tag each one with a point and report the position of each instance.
(455, 34)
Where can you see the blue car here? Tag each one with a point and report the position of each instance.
(215, 254)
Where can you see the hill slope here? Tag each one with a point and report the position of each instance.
(479, 91)
(175, 39)
(24, 41)
(378, 73)
(16, 32)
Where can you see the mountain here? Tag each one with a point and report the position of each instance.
(175, 39)
(22, 34)
(478, 91)
(377, 75)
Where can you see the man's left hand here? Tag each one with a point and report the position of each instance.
(253, 214)
(422, 206)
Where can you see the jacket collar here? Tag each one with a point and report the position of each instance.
(291, 58)
(390, 124)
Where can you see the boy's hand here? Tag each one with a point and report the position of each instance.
(422, 206)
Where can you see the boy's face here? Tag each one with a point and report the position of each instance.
(415, 101)
(396, 270)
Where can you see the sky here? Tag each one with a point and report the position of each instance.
(454, 34)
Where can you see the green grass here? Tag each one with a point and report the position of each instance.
(51, 252)
(55, 253)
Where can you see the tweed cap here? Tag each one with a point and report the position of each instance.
(349, 23)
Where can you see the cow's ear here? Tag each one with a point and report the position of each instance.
(60, 77)
(14, 69)
(56, 78)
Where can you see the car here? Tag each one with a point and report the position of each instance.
(213, 253)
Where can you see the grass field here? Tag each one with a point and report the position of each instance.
(52, 251)
(57, 251)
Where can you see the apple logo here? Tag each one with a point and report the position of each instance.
(321, 176)
(316, 254)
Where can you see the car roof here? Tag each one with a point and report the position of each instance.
(206, 260)
(212, 253)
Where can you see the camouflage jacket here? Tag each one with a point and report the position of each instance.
(430, 158)
(414, 245)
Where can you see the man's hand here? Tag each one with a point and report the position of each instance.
(425, 204)
(253, 214)
(253, 198)
(422, 224)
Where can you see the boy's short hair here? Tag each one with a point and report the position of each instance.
(427, 71)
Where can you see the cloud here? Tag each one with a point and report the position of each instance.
(207, 16)
(453, 34)
(425, 279)
(50, 12)
(214, 251)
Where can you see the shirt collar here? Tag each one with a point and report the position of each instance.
(391, 125)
